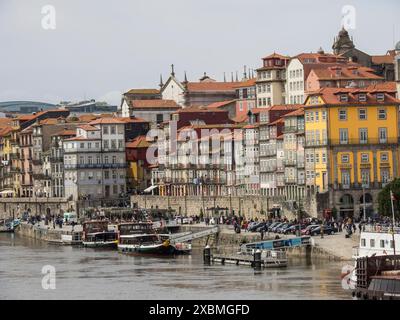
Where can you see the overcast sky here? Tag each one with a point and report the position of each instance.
(102, 48)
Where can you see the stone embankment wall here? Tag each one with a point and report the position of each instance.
(10, 207)
(250, 206)
(34, 232)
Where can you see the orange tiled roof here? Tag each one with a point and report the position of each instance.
(138, 142)
(130, 120)
(88, 127)
(220, 104)
(5, 121)
(384, 59)
(331, 96)
(198, 109)
(211, 86)
(154, 104)
(346, 72)
(5, 130)
(276, 55)
(298, 112)
(143, 91)
(66, 132)
(248, 83)
(387, 86)
(107, 121)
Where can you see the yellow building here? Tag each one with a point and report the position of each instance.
(351, 145)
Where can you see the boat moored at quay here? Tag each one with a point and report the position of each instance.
(141, 238)
(96, 234)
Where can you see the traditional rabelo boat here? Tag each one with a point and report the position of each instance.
(141, 238)
(97, 235)
(378, 278)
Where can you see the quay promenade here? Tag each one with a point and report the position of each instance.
(332, 247)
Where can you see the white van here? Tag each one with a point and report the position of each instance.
(70, 217)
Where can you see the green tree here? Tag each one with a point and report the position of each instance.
(385, 207)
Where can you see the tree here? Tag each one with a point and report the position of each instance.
(385, 208)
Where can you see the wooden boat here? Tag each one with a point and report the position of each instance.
(97, 235)
(140, 238)
(378, 278)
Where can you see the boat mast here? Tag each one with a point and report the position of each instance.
(393, 220)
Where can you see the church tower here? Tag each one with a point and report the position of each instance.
(342, 42)
(397, 68)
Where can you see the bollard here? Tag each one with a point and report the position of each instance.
(257, 260)
(207, 255)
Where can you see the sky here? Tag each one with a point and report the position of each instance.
(100, 49)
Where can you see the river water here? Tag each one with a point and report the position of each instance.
(100, 274)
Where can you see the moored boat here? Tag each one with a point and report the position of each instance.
(97, 235)
(140, 238)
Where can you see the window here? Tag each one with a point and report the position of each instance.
(372, 243)
(346, 177)
(385, 177)
(106, 144)
(159, 118)
(362, 97)
(82, 145)
(345, 158)
(384, 157)
(381, 114)
(382, 132)
(105, 129)
(323, 115)
(380, 97)
(363, 135)
(363, 242)
(342, 114)
(344, 98)
(365, 177)
(364, 157)
(112, 131)
(362, 114)
(106, 174)
(343, 136)
(311, 116)
(382, 243)
(316, 116)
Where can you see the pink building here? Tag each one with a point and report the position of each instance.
(246, 97)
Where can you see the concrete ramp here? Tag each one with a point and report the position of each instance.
(195, 235)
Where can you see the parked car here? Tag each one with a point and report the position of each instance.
(306, 230)
(316, 231)
(272, 225)
(261, 227)
(275, 229)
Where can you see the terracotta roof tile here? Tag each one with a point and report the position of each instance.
(154, 104)
(211, 86)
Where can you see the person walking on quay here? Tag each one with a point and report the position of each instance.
(262, 234)
(360, 225)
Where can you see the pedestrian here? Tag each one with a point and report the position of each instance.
(360, 225)
(262, 234)
(354, 228)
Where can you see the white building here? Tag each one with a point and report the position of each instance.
(95, 162)
(299, 68)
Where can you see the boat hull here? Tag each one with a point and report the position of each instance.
(100, 244)
(155, 249)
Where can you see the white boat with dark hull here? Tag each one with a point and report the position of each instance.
(96, 234)
(140, 238)
(375, 241)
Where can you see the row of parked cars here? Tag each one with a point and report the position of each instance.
(309, 229)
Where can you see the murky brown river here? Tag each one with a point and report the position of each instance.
(98, 274)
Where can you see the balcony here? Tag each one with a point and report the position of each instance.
(96, 166)
(289, 129)
(290, 180)
(370, 141)
(290, 162)
(56, 159)
(316, 143)
(40, 176)
(300, 164)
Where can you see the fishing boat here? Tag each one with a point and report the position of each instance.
(96, 234)
(140, 238)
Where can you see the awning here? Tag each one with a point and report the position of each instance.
(151, 188)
